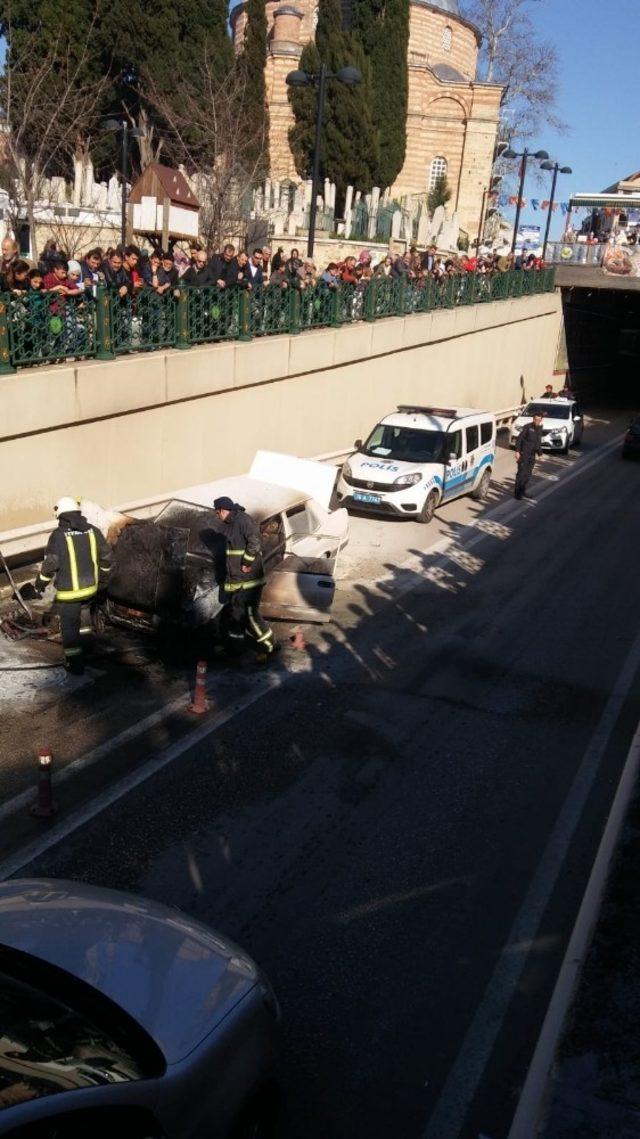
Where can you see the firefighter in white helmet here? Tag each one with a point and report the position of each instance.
(77, 559)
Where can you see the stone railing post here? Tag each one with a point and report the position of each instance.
(6, 367)
(182, 318)
(104, 325)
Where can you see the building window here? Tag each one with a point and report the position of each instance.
(447, 38)
(438, 170)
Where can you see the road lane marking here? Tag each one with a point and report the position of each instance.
(468, 1068)
(483, 527)
(111, 795)
(533, 1095)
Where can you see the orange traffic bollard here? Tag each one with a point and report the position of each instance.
(199, 703)
(44, 807)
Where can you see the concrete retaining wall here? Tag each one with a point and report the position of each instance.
(149, 423)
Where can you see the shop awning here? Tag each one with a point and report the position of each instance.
(600, 201)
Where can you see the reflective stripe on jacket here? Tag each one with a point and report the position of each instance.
(243, 554)
(77, 559)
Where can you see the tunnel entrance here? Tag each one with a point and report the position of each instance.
(602, 330)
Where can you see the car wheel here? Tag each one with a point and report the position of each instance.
(429, 508)
(482, 490)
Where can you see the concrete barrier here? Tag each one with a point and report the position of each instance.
(142, 425)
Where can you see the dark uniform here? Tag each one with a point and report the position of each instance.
(529, 447)
(244, 582)
(78, 560)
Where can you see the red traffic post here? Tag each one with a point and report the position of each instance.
(199, 703)
(44, 807)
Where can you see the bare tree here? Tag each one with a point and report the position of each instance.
(207, 134)
(75, 240)
(514, 55)
(49, 108)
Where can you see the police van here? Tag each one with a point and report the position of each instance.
(417, 458)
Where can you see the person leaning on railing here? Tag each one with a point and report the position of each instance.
(224, 268)
(199, 272)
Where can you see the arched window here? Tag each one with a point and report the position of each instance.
(447, 38)
(438, 170)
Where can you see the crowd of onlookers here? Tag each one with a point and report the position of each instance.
(41, 291)
(129, 269)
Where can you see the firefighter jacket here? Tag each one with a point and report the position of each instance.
(244, 552)
(77, 558)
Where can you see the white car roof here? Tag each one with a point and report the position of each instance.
(432, 420)
(260, 499)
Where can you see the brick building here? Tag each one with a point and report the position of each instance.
(452, 119)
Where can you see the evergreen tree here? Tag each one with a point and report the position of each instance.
(439, 195)
(251, 65)
(148, 48)
(382, 29)
(46, 47)
(350, 148)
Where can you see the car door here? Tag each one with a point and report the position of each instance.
(302, 584)
(578, 427)
(456, 465)
(472, 452)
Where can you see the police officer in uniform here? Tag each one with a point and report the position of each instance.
(528, 448)
(244, 578)
(77, 559)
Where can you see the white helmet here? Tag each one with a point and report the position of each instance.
(65, 505)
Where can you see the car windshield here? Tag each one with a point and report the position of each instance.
(407, 444)
(47, 1047)
(549, 410)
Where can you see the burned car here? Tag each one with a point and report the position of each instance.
(170, 569)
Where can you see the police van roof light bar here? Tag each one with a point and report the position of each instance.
(449, 412)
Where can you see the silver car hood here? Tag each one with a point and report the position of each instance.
(176, 977)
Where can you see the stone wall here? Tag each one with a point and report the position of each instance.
(147, 424)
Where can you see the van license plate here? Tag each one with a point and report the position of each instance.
(375, 498)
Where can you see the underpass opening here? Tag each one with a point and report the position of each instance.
(602, 331)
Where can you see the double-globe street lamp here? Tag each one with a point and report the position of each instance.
(350, 76)
(557, 169)
(127, 133)
(524, 155)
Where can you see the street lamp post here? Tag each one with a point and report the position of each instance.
(557, 169)
(127, 133)
(524, 155)
(350, 76)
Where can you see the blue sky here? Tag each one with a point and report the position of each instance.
(598, 46)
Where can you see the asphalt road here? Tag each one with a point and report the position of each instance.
(400, 831)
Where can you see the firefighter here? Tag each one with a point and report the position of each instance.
(77, 559)
(244, 578)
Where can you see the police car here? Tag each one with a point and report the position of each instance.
(417, 458)
(562, 423)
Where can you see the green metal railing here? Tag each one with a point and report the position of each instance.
(40, 329)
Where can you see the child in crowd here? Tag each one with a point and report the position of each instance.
(75, 283)
(37, 314)
(20, 278)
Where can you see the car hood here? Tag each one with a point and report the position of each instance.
(371, 469)
(548, 424)
(176, 977)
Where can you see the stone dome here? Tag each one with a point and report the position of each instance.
(450, 6)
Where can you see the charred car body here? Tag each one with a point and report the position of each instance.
(170, 568)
